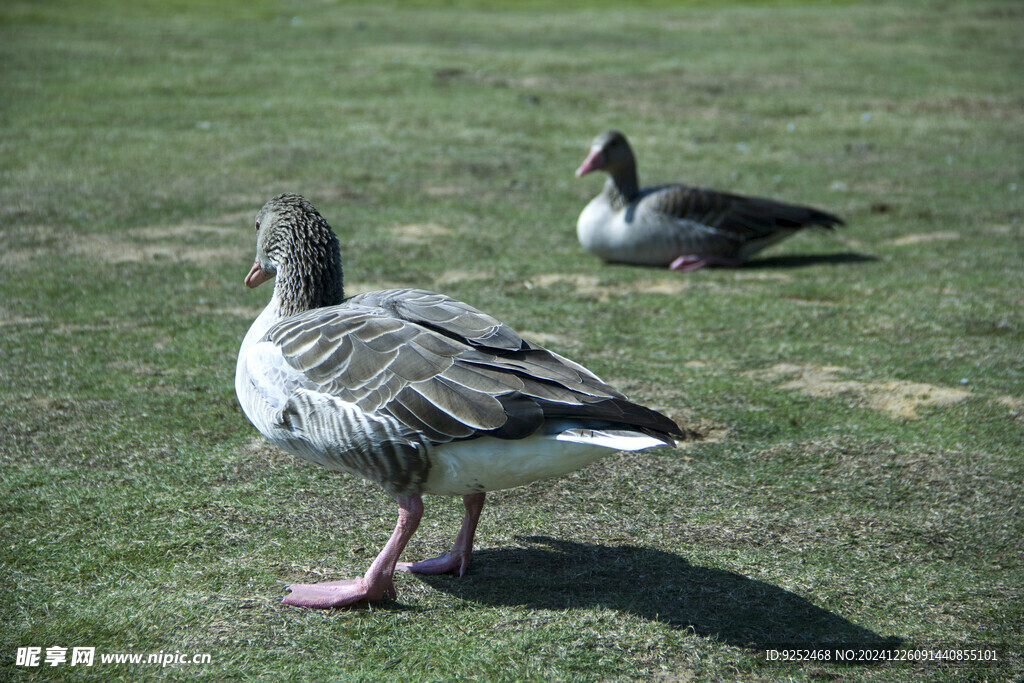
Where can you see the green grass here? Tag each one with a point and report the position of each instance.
(860, 396)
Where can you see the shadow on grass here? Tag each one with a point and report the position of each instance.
(652, 584)
(800, 261)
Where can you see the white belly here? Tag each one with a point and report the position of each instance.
(489, 464)
(626, 237)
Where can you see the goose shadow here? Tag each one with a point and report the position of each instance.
(554, 574)
(803, 260)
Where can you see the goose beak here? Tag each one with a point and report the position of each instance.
(593, 162)
(257, 276)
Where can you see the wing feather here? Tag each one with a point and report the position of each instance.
(476, 409)
(422, 413)
(449, 316)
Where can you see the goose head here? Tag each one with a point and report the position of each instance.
(296, 246)
(610, 152)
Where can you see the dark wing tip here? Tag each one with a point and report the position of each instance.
(826, 220)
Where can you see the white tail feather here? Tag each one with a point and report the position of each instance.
(620, 440)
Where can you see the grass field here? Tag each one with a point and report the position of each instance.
(859, 396)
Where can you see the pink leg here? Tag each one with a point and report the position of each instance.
(377, 582)
(456, 560)
(688, 262)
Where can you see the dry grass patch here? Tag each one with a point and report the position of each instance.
(454, 276)
(245, 312)
(920, 238)
(898, 398)
(417, 233)
(602, 289)
(972, 107)
(112, 250)
(763, 276)
(445, 190)
(203, 244)
(8, 319)
(353, 287)
(545, 338)
(1014, 403)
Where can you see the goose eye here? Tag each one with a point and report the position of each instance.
(257, 226)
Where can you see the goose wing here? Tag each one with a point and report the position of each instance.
(439, 367)
(730, 217)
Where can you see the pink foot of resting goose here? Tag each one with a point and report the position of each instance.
(679, 226)
(688, 262)
(413, 390)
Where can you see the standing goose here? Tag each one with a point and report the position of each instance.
(413, 390)
(680, 226)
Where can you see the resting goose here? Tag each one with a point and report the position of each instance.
(680, 226)
(413, 390)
